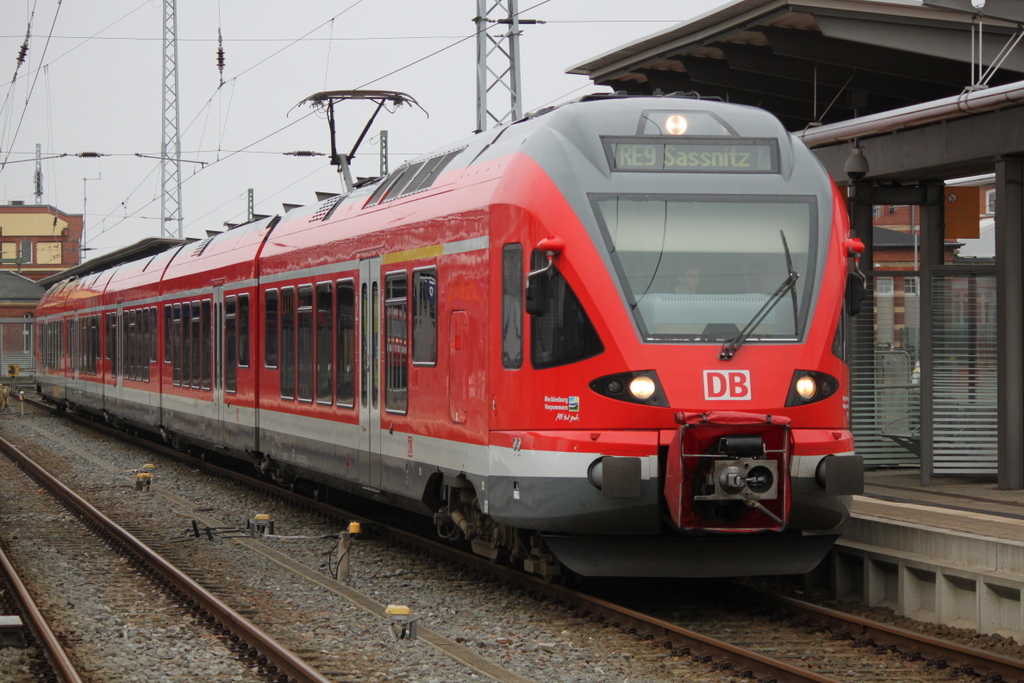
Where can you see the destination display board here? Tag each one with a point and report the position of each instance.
(693, 155)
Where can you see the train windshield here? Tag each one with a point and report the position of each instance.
(699, 269)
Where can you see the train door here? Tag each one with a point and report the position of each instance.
(218, 364)
(369, 368)
(458, 372)
(115, 334)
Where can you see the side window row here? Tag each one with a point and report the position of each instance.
(310, 340)
(140, 332)
(311, 337)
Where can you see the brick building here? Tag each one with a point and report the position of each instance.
(38, 241)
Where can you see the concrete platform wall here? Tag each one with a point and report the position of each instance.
(927, 574)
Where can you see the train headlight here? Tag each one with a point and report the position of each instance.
(638, 386)
(809, 386)
(642, 387)
(806, 387)
(676, 124)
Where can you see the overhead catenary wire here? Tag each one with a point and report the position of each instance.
(248, 149)
(28, 96)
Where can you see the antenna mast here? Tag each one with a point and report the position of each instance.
(497, 61)
(170, 150)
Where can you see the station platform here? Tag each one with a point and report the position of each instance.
(950, 553)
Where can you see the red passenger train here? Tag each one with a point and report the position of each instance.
(609, 337)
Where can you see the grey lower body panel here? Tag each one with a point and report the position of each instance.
(572, 506)
(760, 554)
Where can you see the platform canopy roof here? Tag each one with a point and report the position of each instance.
(821, 61)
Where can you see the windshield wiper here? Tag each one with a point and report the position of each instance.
(788, 285)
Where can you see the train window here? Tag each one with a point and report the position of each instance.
(168, 313)
(375, 352)
(112, 342)
(243, 330)
(153, 350)
(324, 348)
(186, 344)
(396, 343)
(72, 365)
(305, 347)
(176, 353)
(195, 344)
(512, 306)
(270, 329)
(345, 313)
(230, 345)
(699, 268)
(131, 351)
(139, 342)
(96, 344)
(206, 348)
(288, 342)
(424, 316)
(563, 334)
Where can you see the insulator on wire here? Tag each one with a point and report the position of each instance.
(220, 56)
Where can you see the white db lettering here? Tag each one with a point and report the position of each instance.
(731, 385)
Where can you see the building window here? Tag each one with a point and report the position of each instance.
(990, 202)
(910, 286)
(883, 286)
(25, 252)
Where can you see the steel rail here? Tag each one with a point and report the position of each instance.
(710, 650)
(984, 664)
(36, 622)
(628, 620)
(209, 607)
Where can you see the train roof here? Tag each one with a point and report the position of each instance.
(139, 250)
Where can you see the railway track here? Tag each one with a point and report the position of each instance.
(851, 649)
(271, 660)
(45, 658)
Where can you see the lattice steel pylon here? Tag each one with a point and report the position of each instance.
(497, 62)
(170, 149)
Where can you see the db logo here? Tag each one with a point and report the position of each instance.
(727, 385)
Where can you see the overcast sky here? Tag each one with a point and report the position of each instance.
(93, 80)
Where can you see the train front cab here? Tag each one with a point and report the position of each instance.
(643, 429)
